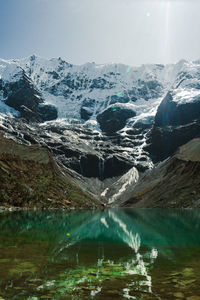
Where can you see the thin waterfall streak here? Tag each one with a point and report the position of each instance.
(101, 168)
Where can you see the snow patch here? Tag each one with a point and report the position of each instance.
(184, 96)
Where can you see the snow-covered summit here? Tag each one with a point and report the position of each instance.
(9, 71)
(84, 91)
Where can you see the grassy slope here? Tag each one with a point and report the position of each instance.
(174, 183)
(29, 177)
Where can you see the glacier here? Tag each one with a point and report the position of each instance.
(62, 103)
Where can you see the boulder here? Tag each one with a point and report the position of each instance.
(114, 118)
(87, 109)
(22, 92)
(47, 112)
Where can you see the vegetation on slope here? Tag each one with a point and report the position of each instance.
(30, 178)
(173, 183)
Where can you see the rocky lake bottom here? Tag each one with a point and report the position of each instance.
(111, 254)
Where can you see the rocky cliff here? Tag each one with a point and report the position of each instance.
(107, 124)
(173, 183)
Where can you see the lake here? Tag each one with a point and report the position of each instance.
(109, 254)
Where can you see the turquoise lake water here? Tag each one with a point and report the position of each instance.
(110, 254)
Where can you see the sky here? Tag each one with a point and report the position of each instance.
(132, 32)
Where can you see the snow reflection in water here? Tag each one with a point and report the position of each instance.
(91, 253)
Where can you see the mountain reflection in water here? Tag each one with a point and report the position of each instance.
(128, 253)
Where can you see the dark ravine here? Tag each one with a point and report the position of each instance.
(174, 183)
(89, 154)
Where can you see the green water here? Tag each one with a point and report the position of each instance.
(110, 254)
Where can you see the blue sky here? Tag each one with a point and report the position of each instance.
(127, 31)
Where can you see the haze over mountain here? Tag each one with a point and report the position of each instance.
(121, 31)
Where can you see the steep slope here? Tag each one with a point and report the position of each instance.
(30, 178)
(103, 122)
(19, 92)
(173, 183)
(177, 119)
(82, 92)
(83, 96)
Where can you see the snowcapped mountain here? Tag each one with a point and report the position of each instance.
(103, 120)
(82, 92)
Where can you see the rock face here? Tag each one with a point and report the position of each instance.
(173, 183)
(47, 112)
(114, 118)
(87, 152)
(172, 113)
(21, 94)
(177, 119)
(164, 141)
(104, 121)
(175, 124)
(29, 177)
(80, 92)
(87, 109)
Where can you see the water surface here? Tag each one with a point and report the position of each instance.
(110, 254)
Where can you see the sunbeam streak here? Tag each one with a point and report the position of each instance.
(166, 49)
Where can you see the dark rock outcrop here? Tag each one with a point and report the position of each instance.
(175, 124)
(89, 153)
(114, 118)
(173, 183)
(29, 115)
(119, 99)
(149, 89)
(87, 109)
(171, 113)
(114, 165)
(22, 92)
(47, 112)
(164, 141)
(25, 98)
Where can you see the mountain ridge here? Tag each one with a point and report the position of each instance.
(174, 183)
(101, 121)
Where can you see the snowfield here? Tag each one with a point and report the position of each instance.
(69, 87)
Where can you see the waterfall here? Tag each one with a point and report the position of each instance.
(101, 168)
(81, 169)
